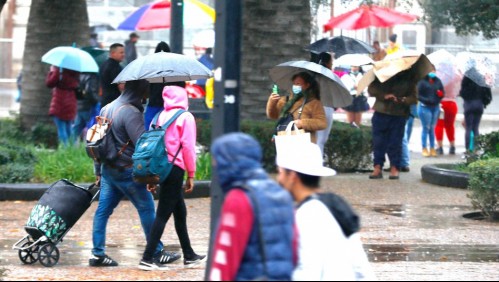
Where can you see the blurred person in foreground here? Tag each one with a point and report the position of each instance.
(329, 245)
(256, 214)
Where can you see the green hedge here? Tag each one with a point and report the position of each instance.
(484, 191)
(488, 144)
(348, 148)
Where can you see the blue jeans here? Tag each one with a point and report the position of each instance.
(81, 121)
(149, 115)
(429, 117)
(63, 130)
(388, 132)
(116, 184)
(405, 159)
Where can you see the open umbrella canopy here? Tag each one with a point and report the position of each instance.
(369, 15)
(477, 67)
(340, 45)
(349, 60)
(71, 58)
(100, 55)
(388, 68)
(156, 15)
(447, 71)
(332, 90)
(163, 67)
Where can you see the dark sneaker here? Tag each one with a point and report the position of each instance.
(104, 260)
(167, 257)
(405, 169)
(151, 266)
(440, 151)
(452, 150)
(194, 259)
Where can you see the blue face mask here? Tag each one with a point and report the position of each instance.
(432, 75)
(296, 89)
(355, 72)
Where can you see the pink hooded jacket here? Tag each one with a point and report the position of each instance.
(182, 131)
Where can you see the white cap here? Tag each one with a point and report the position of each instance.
(306, 159)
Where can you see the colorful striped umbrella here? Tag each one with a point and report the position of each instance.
(156, 15)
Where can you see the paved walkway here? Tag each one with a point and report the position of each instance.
(411, 230)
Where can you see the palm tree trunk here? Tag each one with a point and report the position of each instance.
(51, 23)
(274, 32)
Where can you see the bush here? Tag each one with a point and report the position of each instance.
(203, 167)
(16, 162)
(484, 191)
(70, 162)
(348, 148)
(45, 135)
(488, 144)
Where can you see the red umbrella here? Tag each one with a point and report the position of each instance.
(369, 15)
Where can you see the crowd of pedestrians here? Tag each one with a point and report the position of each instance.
(282, 229)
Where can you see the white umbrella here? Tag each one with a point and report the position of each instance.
(163, 67)
(333, 91)
(353, 60)
(477, 67)
(447, 71)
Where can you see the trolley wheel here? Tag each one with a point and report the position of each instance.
(48, 255)
(28, 256)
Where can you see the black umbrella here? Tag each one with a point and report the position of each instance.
(340, 45)
(100, 28)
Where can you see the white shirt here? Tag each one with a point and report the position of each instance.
(323, 250)
(351, 81)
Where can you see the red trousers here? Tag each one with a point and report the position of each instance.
(450, 112)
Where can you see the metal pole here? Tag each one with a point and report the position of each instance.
(177, 26)
(225, 116)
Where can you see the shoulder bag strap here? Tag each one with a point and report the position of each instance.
(259, 226)
(168, 123)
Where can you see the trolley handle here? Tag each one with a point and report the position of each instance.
(94, 190)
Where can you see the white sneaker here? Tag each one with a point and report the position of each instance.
(151, 266)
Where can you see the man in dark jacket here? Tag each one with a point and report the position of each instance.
(87, 97)
(115, 178)
(109, 71)
(130, 49)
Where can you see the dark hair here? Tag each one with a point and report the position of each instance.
(311, 181)
(133, 35)
(208, 51)
(314, 86)
(314, 57)
(325, 59)
(162, 46)
(114, 46)
(138, 86)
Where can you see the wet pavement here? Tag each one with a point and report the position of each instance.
(411, 230)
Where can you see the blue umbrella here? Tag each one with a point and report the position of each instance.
(71, 58)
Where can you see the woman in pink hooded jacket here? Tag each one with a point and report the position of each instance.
(180, 137)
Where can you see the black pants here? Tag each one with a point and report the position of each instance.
(473, 111)
(171, 200)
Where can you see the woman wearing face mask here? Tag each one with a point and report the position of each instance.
(430, 93)
(304, 105)
(359, 104)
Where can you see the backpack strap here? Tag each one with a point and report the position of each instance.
(172, 119)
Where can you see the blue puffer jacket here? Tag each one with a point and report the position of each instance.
(238, 165)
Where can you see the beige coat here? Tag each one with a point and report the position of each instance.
(313, 117)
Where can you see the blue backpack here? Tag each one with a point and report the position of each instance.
(150, 159)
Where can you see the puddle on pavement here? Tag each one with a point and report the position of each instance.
(395, 210)
(419, 252)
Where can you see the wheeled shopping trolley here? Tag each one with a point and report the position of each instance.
(59, 208)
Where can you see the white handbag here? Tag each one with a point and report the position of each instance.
(291, 139)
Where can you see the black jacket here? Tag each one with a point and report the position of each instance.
(427, 91)
(89, 85)
(108, 72)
